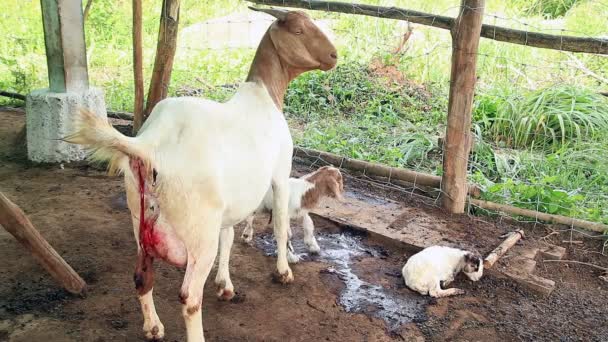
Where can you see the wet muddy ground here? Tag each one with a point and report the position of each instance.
(352, 291)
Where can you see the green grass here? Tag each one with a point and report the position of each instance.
(541, 130)
(545, 118)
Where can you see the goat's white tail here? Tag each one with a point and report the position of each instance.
(103, 142)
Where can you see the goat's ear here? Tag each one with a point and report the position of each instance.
(335, 190)
(277, 13)
(472, 258)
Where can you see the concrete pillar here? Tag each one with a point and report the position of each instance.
(50, 111)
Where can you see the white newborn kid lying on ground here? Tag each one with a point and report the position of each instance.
(428, 271)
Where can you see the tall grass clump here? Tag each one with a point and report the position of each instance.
(545, 118)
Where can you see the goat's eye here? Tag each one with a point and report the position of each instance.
(298, 32)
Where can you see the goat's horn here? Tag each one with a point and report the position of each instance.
(277, 13)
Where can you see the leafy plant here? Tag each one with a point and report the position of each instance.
(545, 118)
(540, 196)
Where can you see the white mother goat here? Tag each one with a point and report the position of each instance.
(197, 167)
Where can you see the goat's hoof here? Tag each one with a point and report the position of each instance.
(225, 289)
(459, 292)
(155, 333)
(283, 278)
(314, 249)
(224, 294)
(292, 258)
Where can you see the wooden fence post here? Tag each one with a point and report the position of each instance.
(165, 52)
(138, 72)
(465, 41)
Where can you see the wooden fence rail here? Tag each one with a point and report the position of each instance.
(535, 39)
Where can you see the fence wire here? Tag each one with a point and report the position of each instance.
(542, 69)
(387, 103)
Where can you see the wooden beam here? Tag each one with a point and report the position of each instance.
(550, 218)
(499, 251)
(535, 39)
(138, 72)
(15, 222)
(165, 52)
(12, 95)
(458, 138)
(87, 8)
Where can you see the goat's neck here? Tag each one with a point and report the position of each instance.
(268, 69)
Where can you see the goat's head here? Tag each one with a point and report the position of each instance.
(328, 180)
(473, 265)
(300, 43)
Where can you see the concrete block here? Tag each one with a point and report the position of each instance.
(49, 117)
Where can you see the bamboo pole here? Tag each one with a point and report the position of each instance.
(138, 73)
(15, 222)
(499, 251)
(372, 169)
(165, 52)
(520, 37)
(551, 218)
(457, 145)
(87, 8)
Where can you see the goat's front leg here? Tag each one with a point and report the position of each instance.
(438, 292)
(280, 216)
(309, 236)
(247, 235)
(225, 289)
(144, 282)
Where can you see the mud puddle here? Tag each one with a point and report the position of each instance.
(342, 251)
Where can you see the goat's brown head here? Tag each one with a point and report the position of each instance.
(328, 180)
(300, 44)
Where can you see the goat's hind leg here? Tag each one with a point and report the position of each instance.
(247, 234)
(225, 289)
(309, 235)
(202, 247)
(144, 282)
(438, 292)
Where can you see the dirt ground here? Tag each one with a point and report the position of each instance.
(81, 213)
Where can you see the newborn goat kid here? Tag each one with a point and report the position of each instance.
(304, 194)
(435, 267)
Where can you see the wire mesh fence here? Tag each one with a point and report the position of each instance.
(540, 123)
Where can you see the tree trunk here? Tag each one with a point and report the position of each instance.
(138, 73)
(165, 52)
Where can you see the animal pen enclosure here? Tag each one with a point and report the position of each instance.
(507, 127)
(408, 160)
(505, 145)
